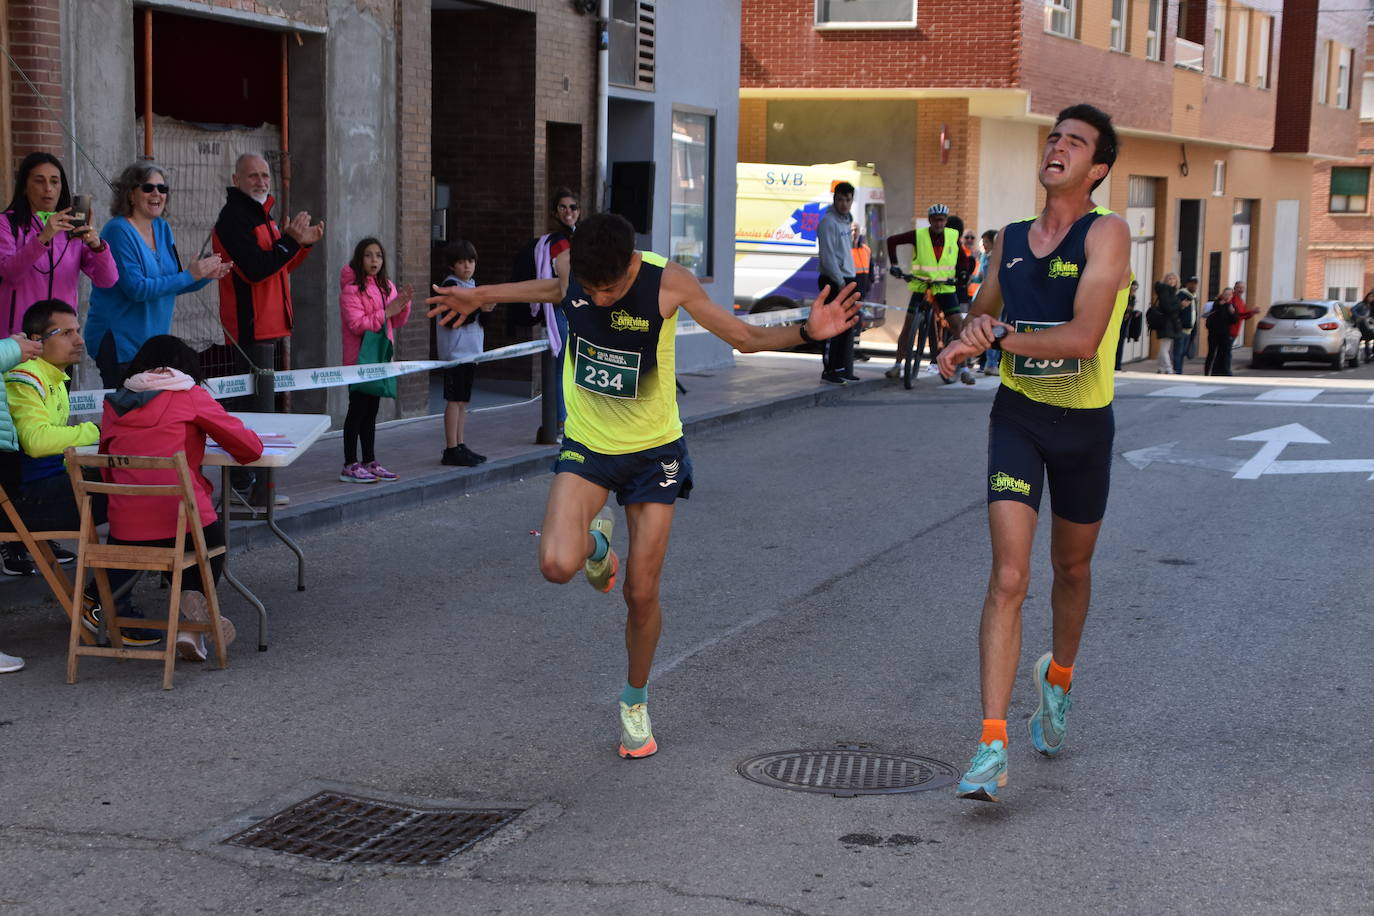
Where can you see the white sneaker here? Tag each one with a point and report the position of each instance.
(10, 662)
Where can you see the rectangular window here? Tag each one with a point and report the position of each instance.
(1323, 74)
(1343, 278)
(1349, 190)
(1219, 47)
(1218, 178)
(1367, 98)
(1266, 27)
(1154, 25)
(866, 13)
(1241, 45)
(1120, 16)
(692, 180)
(1344, 57)
(1059, 17)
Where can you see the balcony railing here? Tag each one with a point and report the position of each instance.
(1187, 54)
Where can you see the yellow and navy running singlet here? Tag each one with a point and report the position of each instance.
(1038, 293)
(619, 382)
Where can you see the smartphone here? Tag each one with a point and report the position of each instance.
(81, 211)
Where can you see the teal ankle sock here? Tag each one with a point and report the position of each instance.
(632, 695)
(602, 547)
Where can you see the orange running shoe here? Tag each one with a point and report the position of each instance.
(636, 734)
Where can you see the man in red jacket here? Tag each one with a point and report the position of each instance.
(255, 296)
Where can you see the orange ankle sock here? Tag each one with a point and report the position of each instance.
(994, 730)
(1059, 676)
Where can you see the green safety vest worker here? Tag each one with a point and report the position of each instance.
(926, 270)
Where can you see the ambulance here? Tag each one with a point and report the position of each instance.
(777, 209)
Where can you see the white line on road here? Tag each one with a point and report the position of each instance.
(1292, 395)
(1255, 403)
(1184, 391)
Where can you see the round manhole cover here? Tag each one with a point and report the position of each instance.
(847, 772)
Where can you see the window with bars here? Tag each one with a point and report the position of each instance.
(632, 44)
(1349, 190)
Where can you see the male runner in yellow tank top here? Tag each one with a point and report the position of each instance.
(1052, 301)
(623, 434)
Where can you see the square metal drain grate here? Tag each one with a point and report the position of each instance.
(351, 830)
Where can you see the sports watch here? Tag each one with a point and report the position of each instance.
(997, 334)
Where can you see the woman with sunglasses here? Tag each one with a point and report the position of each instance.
(43, 252)
(139, 305)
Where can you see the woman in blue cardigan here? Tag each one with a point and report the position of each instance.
(140, 304)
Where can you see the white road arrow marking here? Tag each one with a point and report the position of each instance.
(1275, 441)
(1142, 458)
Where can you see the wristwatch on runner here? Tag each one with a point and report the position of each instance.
(998, 333)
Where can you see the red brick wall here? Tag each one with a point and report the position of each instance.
(414, 161)
(972, 43)
(953, 182)
(34, 32)
(753, 130)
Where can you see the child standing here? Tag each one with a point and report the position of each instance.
(464, 339)
(368, 301)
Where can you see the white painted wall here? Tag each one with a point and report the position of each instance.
(1007, 160)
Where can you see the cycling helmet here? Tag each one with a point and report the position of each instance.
(938, 210)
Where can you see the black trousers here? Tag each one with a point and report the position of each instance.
(360, 424)
(1218, 354)
(838, 353)
(190, 579)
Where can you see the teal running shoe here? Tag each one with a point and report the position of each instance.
(1048, 726)
(987, 773)
(636, 733)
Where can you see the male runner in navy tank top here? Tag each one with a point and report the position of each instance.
(1054, 306)
(623, 434)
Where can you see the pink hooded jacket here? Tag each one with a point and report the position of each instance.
(365, 310)
(32, 271)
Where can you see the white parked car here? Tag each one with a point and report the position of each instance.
(1311, 330)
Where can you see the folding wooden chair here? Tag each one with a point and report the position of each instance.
(36, 543)
(174, 560)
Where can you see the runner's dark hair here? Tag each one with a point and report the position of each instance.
(360, 275)
(39, 315)
(1107, 143)
(601, 249)
(166, 351)
(20, 211)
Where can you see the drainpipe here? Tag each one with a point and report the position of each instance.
(148, 82)
(603, 83)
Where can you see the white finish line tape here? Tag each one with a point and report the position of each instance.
(233, 386)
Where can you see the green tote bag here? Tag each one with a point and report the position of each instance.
(376, 348)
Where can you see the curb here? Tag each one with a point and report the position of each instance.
(371, 502)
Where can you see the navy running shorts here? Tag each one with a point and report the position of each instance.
(1030, 442)
(458, 381)
(655, 475)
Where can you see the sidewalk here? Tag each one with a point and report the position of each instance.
(757, 386)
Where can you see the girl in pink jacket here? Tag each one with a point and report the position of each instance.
(42, 253)
(368, 301)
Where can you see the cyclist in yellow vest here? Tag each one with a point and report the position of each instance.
(623, 433)
(934, 264)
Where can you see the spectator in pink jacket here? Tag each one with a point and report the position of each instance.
(368, 301)
(161, 410)
(42, 252)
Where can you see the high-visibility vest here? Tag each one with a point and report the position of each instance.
(926, 270)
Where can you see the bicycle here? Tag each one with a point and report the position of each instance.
(931, 330)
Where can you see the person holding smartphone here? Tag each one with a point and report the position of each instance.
(139, 305)
(43, 249)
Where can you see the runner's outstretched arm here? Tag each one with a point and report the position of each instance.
(827, 318)
(449, 303)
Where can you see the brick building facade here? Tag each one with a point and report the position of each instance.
(1340, 261)
(1213, 182)
(382, 117)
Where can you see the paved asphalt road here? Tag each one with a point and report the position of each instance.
(822, 587)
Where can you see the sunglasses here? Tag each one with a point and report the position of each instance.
(569, 207)
(968, 238)
(149, 187)
(55, 332)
